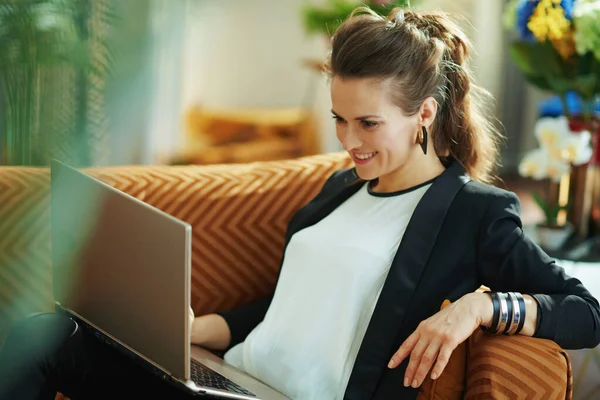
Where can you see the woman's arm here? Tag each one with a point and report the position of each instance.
(242, 320)
(508, 260)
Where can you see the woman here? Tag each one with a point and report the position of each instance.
(370, 259)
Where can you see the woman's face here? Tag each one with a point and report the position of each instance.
(376, 133)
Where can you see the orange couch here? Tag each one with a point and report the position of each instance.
(238, 213)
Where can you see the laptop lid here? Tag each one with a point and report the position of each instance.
(122, 266)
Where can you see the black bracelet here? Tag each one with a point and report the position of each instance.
(522, 308)
(496, 317)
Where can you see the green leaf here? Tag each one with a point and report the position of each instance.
(536, 58)
(561, 85)
(539, 201)
(550, 210)
(586, 85)
(539, 81)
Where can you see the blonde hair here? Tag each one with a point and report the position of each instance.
(426, 55)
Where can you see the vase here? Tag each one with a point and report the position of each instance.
(584, 186)
(553, 238)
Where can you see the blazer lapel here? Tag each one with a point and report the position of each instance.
(402, 281)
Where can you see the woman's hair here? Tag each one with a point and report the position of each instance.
(425, 55)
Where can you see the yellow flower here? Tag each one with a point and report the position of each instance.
(565, 46)
(548, 21)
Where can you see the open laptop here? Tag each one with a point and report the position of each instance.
(122, 271)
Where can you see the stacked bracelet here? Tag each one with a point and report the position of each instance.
(509, 313)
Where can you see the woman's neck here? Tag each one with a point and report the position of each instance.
(409, 175)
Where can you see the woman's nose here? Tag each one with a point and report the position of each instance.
(350, 140)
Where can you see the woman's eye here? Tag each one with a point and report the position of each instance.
(368, 124)
(338, 120)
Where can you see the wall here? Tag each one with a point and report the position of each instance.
(249, 54)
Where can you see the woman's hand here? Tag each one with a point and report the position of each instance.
(436, 338)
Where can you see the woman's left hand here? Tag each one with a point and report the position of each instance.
(435, 339)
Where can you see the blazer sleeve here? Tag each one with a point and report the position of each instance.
(508, 260)
(242, 320)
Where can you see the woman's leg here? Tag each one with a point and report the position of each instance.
(48, 352)
(41, 353)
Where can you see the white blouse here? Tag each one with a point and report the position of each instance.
(331, 278)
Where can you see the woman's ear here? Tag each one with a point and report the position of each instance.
(428, 111)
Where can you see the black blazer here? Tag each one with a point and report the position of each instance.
(462, 234)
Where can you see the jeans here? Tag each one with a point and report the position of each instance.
(48, 353)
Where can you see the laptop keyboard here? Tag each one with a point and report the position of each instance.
(204, 376)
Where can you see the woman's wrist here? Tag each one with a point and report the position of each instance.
(483, 308)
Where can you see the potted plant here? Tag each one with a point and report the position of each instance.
(559, 150)
(556, 45)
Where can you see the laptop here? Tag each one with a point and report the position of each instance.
(122, 272)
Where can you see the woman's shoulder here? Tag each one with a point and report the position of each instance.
(489, 194)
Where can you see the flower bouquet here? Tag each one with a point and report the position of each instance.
(559, 150)
(558, 45)
(557, 48)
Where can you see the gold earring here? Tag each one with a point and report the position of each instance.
(423, 139)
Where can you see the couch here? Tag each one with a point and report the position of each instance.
(238, 213)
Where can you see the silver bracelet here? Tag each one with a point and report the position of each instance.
(503, 313)
(516, 312)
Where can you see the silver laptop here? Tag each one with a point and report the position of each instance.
(122, 270)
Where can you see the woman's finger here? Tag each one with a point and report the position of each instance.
(426, 362)
(415, 360)
(442, 360)
(404, 350)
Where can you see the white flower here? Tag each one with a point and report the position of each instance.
(576, 148)
(551, 131)
(534, 164)
(538, 164)
(556, 169)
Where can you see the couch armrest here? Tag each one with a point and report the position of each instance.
(517, 367)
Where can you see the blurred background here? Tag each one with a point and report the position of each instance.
(108, 82)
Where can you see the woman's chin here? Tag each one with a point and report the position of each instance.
(365, 173)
